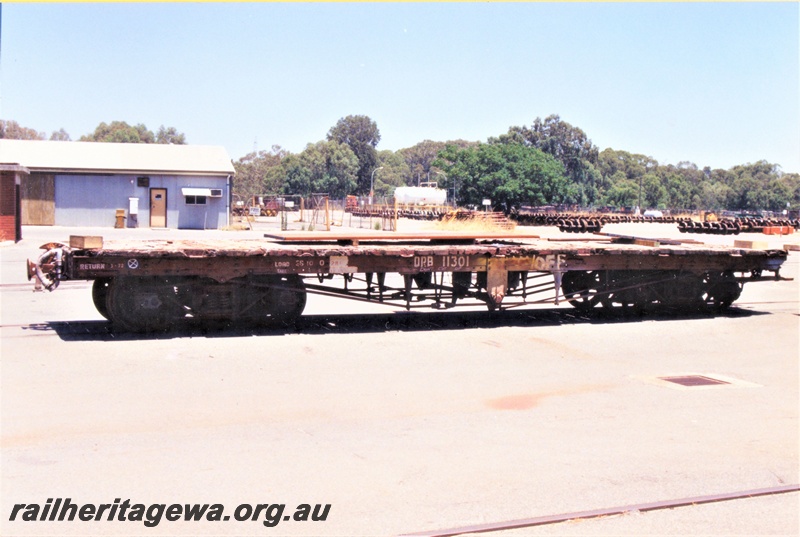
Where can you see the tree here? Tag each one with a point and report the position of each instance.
(792, 184)
(420, 157)
(361, 135)
(623, 193)
(679, 192)
(654, 194)
(750, 183)
(259, 173)
(509, 174)
(713, 196)
(393, 174)
(325, 167)
(60, 136)
(568, 144)
(11, 130)
(170, 136)
(634, 166)
(121, 132)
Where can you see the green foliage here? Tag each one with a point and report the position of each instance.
(751, 187)
(170, 136)
(259, 173)
(361, 135)
(548, 162)
(325, 167)
(393, 174)
(509, 174)
(569, 145)
(11, 130)
(419, 159)
(623, 193)
(60, 136)
(121, 132)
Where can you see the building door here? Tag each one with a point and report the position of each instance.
(158, 207)
(38, 200)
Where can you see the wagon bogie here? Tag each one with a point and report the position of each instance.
(642, 290)
(159, 304)
(143, 304)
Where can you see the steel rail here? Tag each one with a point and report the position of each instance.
(651, 506)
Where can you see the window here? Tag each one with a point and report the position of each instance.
(195, 200)
(143, 182)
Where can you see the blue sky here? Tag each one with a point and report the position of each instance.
(715, 84)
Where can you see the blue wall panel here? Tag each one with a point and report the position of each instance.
(92, 200)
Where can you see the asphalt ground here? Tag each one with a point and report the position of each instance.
(403, 423)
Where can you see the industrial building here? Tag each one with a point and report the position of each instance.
(135, 185)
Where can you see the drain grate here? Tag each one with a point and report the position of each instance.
(694, 380)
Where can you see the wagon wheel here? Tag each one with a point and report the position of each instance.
(584, 290)
(144, 304)
(626, 290)
(287, 298)
(100, 289)
(720, 290)
(273, 299)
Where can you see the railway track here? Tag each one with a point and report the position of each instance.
(611, 511)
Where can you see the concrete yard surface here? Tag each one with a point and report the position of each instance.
(400, 422)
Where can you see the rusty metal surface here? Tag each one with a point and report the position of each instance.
(406, 257)
(363, 235)
(505, 247)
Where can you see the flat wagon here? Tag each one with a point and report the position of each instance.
(154, 285)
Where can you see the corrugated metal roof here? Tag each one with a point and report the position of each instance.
(95, 157)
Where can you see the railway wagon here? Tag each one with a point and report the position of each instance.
(155, 285)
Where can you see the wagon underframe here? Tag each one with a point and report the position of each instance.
(154, 285)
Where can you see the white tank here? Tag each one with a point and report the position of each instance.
(420, 195)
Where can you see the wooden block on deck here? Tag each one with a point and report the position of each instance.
(792, 247)
(752, 245)
(85, 242)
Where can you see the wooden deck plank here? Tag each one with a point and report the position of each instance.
(362, 235)
(528, 246)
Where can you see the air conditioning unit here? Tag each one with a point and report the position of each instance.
(216, 193)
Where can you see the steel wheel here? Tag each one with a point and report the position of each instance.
(584, 290)
(287, 298)
(720, 290)
(144, 304)
(100, 289)
(272, 299)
